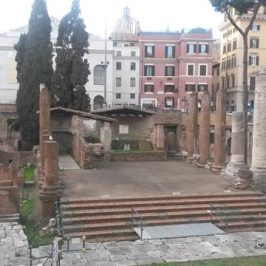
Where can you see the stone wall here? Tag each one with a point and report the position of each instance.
(138, 156)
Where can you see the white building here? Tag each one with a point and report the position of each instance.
(126, 61)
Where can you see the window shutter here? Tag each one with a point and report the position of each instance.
(145, 70)
(166, 49)
(165, 71)
(173, 51)
(258, 43)
(257, 61)
(187, 48)
(195, 48)
(250, 43)
(153, 70)
(258, 27)
(153, 51)
(146, 50)
(249, 60)
(207, 48)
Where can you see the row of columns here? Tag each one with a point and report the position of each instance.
(204, 128)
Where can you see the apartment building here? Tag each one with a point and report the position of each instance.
(231, 58)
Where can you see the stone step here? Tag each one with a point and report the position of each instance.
(158, 198)
(149, 209)
(232, 222)
(5, 183)
(133, 204)
(105, 234)
(8, 218)
(242, 225)
(160, 216)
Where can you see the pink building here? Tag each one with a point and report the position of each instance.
(172, 64)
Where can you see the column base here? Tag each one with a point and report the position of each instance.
(217, 169)
(238, 175)
(259, 179)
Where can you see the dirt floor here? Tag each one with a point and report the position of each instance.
(131, 179)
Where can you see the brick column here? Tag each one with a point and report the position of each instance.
(44, 115)
(219, 138)
(258, 164)
(50, 191)
(237, 149)
(192, 125)
(204, 129)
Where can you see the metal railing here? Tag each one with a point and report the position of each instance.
(140, 223)
(220, 213)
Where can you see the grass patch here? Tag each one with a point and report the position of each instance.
(29, 173)
(31, 228)
(243, 261)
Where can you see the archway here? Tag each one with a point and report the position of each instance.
(98, 102)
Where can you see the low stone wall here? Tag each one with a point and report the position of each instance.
(138, 156)
(9, 204)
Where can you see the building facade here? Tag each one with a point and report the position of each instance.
(173, 64)
(126, 61)
(232, 57)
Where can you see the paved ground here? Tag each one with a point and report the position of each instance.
(150, 251)
(13, 245)
(66, 162)
(118, 179)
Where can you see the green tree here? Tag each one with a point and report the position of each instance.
(242, 7)
(72, 68)
(34, 66)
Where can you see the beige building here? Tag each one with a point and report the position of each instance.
(232, 57)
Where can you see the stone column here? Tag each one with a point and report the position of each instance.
(258, 163)
(106, 136)
(204, 129)
(160, 138)
(192, 123)
(50, 191)
(237, 149)
(44, 115)
(219, 137)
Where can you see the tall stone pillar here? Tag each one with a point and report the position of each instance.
(237, 149)
(44, 115)
(192, 125)
(50, 191)
(160, 138)
(219, 137)
(106, 136)
(204, 129)
(258, 163)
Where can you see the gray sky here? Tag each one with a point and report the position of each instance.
(153, 15)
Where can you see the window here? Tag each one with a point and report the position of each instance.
(252, 83)
(234, 44)
(99, 75)
(190, 87)
(118, 53)
(123, 129)
(132, 66)
(255, 27)
(169, 102)
(118, 82)
(254, 43)
(203, 48)
(191, 48)
(224, 48)
(253, 60)
(169, 51)
(233, 60)
(203, 70)
(132, 96)
(114, 43)
(169, 88)
(118, 65)
(169, 71)
(233, 80)
(149, 70)
(190, 70)
(202, 87)
(132, 82)
(149, 50)
(223, 82)
(148, 103)
(118, 95)
(148, 88)
(229, 47)
(133, 53)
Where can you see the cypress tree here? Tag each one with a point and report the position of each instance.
(34, 66)
(72, 68)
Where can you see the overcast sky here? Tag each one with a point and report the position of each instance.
(153, 15)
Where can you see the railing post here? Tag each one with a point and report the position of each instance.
(68, 240)
(83, 243)
(141, 228)
(132, 216)
(30, 247)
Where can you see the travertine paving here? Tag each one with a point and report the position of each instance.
(14, 249)
(13, 245)
(168, 250)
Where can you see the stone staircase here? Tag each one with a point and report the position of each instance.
(145, 145)
(111, 219)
